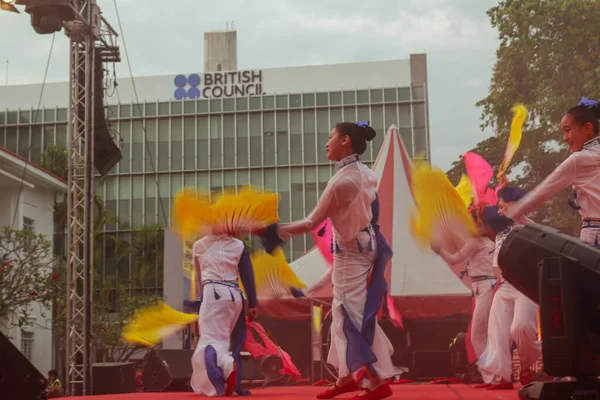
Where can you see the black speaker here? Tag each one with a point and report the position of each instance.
(167, 370)
(19, 379)
(114, 378)
(428, 365)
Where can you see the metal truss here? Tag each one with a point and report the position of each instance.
(88, 33)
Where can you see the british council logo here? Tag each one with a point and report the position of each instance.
(182, 93)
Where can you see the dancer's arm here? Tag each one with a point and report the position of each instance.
(247, 278)
(327, 203)
(566, 174)
(197, 271)
(462, 254)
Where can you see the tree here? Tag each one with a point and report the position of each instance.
(27, 275)
(54, 159)
(548, 59)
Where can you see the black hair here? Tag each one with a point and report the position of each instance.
(584, 115)
(53, 373)
(497, 222)
(359, 134)
(511, 193)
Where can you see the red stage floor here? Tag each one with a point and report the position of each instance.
(404, 392)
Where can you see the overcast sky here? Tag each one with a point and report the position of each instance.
(167, 38)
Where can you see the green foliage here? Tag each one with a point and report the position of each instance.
(54, 159)
(27, 276)
(113, 303)
(548, 59)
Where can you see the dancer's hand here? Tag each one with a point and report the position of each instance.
(251, 314)
(297, 293)
(435, 247)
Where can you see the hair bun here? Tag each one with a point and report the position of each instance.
(368, 133)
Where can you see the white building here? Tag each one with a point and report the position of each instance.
(28, 193)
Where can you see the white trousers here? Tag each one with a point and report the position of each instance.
(483, 291)
(219, 312)
(351, 270)
(513, 317)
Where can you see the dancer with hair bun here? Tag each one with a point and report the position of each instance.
(360, 256)
(580, 127)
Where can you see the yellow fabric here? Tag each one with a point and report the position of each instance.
(440, 210)
(465, 190)
(514, 140)
(152, 324)
(272, 274)
(233, 214)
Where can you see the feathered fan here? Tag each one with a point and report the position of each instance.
(440, 211)
(151, 325)
(231, 214)
(272, 274)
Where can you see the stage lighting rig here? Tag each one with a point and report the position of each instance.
(47, 16)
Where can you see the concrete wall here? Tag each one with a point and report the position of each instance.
(220, 51)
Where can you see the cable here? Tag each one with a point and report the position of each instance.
(37, 113)
(162, 208)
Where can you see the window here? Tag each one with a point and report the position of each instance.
(27, 344)
(29, 225)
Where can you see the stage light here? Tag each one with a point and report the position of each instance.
(7, 5)
(562, 274)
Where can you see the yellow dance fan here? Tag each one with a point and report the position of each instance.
(272, 274)
(464, 189)
(151, 325)
(231, 214)
(514, 140)
(440, 210)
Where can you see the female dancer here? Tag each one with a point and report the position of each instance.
(350, 201)
(581, 170)
(218, 261)
(478, 253)
(513, 316)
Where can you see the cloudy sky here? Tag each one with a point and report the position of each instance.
(167, 38)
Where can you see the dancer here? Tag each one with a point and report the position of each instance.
(219, 259)
(478, 252)
(581, 170)
(360, 250)
(513, 316)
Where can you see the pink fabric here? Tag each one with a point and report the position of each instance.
(257, 350)
(324, 242)
(480, 173)
(395, 316)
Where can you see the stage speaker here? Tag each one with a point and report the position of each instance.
(167, 370)
(432, 364)
(114, 378)
(19, 379)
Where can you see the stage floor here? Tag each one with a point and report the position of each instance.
(404, 392)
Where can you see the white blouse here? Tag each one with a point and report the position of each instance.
(216, 257)
(346, 201)
(479, 251)
(582, 171)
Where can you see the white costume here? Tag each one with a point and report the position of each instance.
(218, 261)
(582, 171)
(347, 201)
(513, 317)
(478, 253)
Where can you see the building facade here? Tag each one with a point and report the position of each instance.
(221, 130)
(28, 194)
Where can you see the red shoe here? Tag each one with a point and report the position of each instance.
(231, 382)
(381, 392)
(336, 391)
(483, 386)
(501, 386)
(526, 377)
